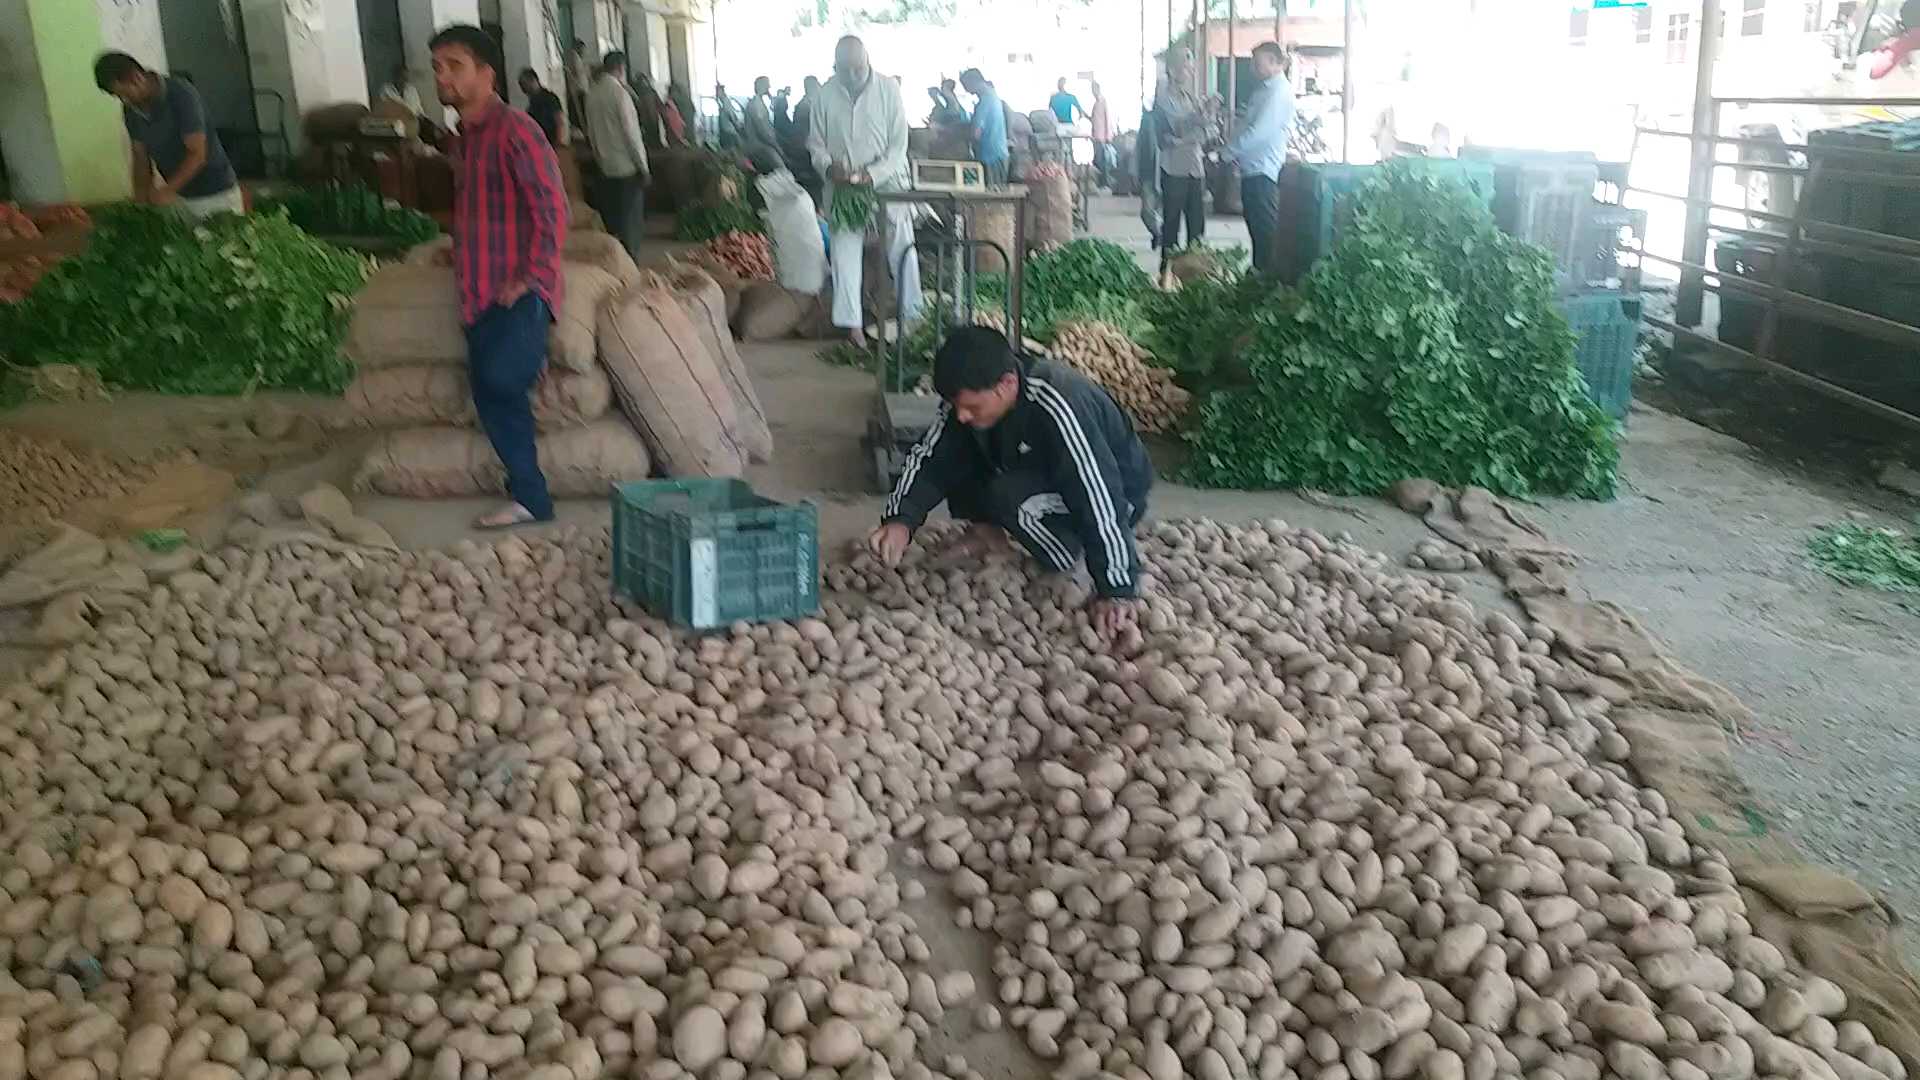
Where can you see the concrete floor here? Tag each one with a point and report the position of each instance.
(1704, 545)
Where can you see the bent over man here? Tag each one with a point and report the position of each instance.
(1033, 452)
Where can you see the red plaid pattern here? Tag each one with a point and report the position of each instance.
(509, 210)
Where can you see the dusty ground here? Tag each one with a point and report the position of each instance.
(1704, 545)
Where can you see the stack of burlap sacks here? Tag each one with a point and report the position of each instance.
(641, 376)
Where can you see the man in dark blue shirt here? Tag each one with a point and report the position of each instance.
(168, 126)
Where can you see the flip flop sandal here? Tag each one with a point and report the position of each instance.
(517, 516)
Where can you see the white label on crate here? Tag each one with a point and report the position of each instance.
(703, 572)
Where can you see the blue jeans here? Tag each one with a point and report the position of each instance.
(506, 349)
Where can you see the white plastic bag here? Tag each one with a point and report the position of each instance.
(799, 256)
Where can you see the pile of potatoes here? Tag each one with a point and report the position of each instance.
(319, 811)
(1109, 357)
(42, 478)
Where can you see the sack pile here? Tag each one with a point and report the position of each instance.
(657, 345)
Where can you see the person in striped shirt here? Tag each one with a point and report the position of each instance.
(509, 220)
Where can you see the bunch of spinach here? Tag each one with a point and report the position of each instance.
(702, 222)
(1426, 344)
(851, 207)
(224, 306)
(352, 210)
(1076, 280)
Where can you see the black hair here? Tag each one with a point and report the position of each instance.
(972, 73)
(113, 67)
(614, 59)
(468, 37)
(764, 160)
(974, 358)
(528, 73)
(1272, 49)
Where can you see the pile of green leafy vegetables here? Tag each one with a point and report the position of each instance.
(702, 222)
(352, 210)
(225, 306)
(1871, 557)
(1086, 279)
(1425, 344)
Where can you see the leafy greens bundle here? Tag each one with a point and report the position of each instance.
(224, 306)
(1425, 344)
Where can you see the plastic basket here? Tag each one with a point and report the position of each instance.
(1314, 197)
(705, 553)
(1597, 265)
(1606, 326)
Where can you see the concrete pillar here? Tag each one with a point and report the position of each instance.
(307, 52)
(64, 140)
(419, 21)
(530, 43)
(647, 43)
(133, 27)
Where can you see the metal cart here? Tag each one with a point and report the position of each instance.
(900, 417)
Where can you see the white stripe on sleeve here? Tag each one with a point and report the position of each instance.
(1107, 523)
(921, 452)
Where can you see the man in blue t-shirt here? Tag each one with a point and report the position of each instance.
(168, 127)
(1064, 104)
(989, 127)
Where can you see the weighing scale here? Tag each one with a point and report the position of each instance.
(900, 417)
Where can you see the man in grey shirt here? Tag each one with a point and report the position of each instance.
(1180, 125)
(168, 126)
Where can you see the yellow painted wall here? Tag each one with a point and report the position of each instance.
(88, 132)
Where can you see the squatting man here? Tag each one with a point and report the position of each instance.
(1034, 452)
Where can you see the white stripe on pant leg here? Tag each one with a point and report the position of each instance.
(1030, 514)
(1106, 522)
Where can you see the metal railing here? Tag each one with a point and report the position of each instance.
(1799, 238)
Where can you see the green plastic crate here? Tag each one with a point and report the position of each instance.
(1606, 327)
(706, 553)
(1313, 199)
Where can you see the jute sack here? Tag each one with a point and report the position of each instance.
(436, 462)
(1050, 212)
(407, 314)
(580, 246)
(994, 222)
(667, 384)
(770, 312)
(707, 307)
(572, 344)
(732, 286)
(440, 394)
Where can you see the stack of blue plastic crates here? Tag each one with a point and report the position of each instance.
(1548, 199)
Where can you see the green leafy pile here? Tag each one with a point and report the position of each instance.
(1426, 344)
(702, 222)
(1853, 554)
(355, 210)
(914, 362)
(224, 306)
(1086, 278)
(851, 207)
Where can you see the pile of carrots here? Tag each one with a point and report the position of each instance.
(746, 254)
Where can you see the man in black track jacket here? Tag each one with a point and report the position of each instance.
(1035, 450)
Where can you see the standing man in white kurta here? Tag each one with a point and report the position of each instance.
(858, 134)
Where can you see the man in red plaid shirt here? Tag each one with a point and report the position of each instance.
(509, 219)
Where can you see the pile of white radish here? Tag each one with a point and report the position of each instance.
(312, 812)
